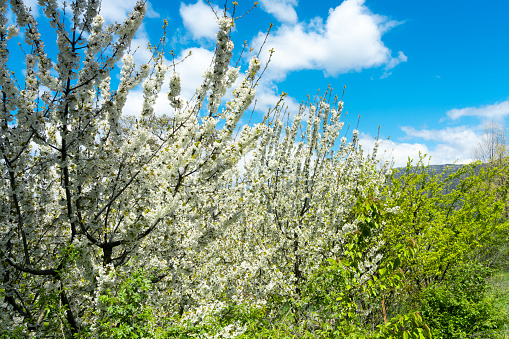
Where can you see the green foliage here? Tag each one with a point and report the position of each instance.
(458, 220)
(409, 325)
(460, 306)
(14, 333)
(339, 292)
(125, 313)
(450, 224)
(230, 319)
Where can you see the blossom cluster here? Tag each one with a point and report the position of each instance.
(207, 207)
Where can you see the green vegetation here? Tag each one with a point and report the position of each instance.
(459, 223)
(500, 290)
(460, 307)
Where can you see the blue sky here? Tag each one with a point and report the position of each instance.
(430, 73)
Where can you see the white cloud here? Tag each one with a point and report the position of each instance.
(134, 103)
(139, 45)
(283, 10)
(496, 111)
(393, 63)
(191, 72)
(34, 6)
(267, 96)
(117, 11)
(199, 20)
(350, 40)
(460, 135)
(451, 144)
(394, 152)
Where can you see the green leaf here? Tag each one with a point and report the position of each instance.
(397, 262)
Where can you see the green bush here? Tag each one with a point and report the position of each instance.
(460, 305)
(125, 313)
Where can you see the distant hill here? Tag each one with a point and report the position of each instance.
(435, 170)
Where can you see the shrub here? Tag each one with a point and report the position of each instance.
(460, 306)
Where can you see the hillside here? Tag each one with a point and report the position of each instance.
(433, 170)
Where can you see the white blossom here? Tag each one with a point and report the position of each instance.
(12, 31)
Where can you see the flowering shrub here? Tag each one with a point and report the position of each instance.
(86, 191)
(107, 221)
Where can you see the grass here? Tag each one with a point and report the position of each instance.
(500, 285)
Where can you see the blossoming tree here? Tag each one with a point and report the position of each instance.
(84, 192)
(89, 194)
